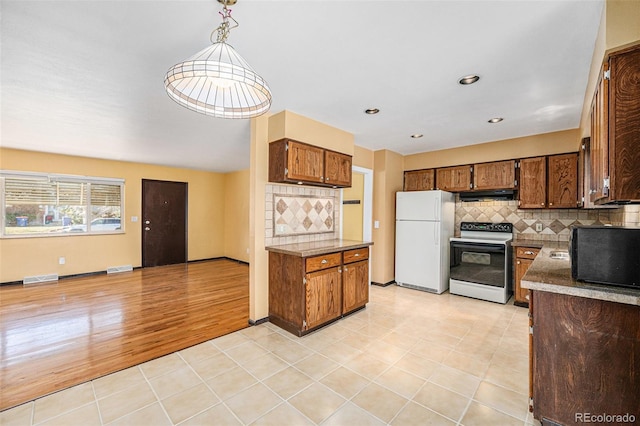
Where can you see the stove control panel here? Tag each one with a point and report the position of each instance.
(486, 227)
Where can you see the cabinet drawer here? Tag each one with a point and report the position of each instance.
(527, 252)
(356, 255)
(322, 262)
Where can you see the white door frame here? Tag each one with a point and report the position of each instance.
(367, 209)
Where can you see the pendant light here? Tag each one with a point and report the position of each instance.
(217, 81)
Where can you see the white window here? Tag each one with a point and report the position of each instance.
(35, 204)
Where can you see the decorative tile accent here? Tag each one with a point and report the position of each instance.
(294, 217)
(555, 223)
(297, 214)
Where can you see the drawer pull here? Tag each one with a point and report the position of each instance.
(324, 261)
(356, 255)
(529, 252)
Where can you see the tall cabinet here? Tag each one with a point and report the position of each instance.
(615, 126)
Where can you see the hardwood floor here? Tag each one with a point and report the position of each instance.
(53, 336)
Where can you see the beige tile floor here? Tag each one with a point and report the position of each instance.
(409, 358)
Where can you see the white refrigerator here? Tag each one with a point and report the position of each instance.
(424, 224)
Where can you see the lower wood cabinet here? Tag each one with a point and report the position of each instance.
(355, 280)
(585, 355)
(322, 297)
(523, 257)
(308, 292)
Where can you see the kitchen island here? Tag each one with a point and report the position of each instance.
(315, 283)
(584, 346)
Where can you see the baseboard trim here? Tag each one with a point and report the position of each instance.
(89, 274)
(219, 258)
(383, 285)
(259, 321)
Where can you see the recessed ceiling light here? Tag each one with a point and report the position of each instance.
(372, 111)
(417, 135)
(496, 120)
(469, 79)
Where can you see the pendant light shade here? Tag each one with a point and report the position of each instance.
(217, 81)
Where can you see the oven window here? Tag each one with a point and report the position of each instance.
(478, 263)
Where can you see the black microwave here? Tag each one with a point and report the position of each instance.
(606, 255)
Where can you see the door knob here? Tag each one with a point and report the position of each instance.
(147, 222)
(146, 228)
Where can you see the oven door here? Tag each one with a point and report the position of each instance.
(479, 263)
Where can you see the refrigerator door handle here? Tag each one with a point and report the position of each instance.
(435, 235)
(435, 209)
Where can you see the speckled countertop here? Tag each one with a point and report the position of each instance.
(523, 242)
(316, 248)
(554, 276)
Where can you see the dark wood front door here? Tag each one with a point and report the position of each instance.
(164, 222)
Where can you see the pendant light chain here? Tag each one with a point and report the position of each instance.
(225, 28)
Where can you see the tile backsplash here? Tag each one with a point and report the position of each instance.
(296, 214)
(556, 223)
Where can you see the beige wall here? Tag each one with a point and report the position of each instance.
(264, 130)
(387, 180)
(287, 124)
(362, 157)
(90, 253)
(619, 27)
(529, 146)
(236, 215)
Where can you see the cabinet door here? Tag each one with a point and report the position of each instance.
(624, 125)
(305, 162)
(563, 181)
(599, 139)
(323, 296)
(419, 180)
(355, 285)
(520, 294)
(495, 175)
(533, 183)
(454, 179)
(337, 169)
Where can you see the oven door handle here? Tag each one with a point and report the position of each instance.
(491, 248)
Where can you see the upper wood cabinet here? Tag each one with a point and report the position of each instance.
(494, 175)
(533, 183)
(454, 179)
(296, 162)
(420, 180)
(549, 182)
(562, 186)
(337, 169)
(615, 126)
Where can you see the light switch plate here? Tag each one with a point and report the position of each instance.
(376, 224)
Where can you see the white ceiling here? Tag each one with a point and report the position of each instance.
(86, 77)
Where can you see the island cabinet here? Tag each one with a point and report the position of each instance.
(308, 292)
(585, 358)
(420, 180)
(523, 258)
(291, 161)
(494, 175)
(454, 179)
(614, 175)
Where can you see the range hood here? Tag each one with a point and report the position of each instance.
(496, 194)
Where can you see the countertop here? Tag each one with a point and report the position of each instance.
(554, 276)
(523, 242)
(316, 248)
